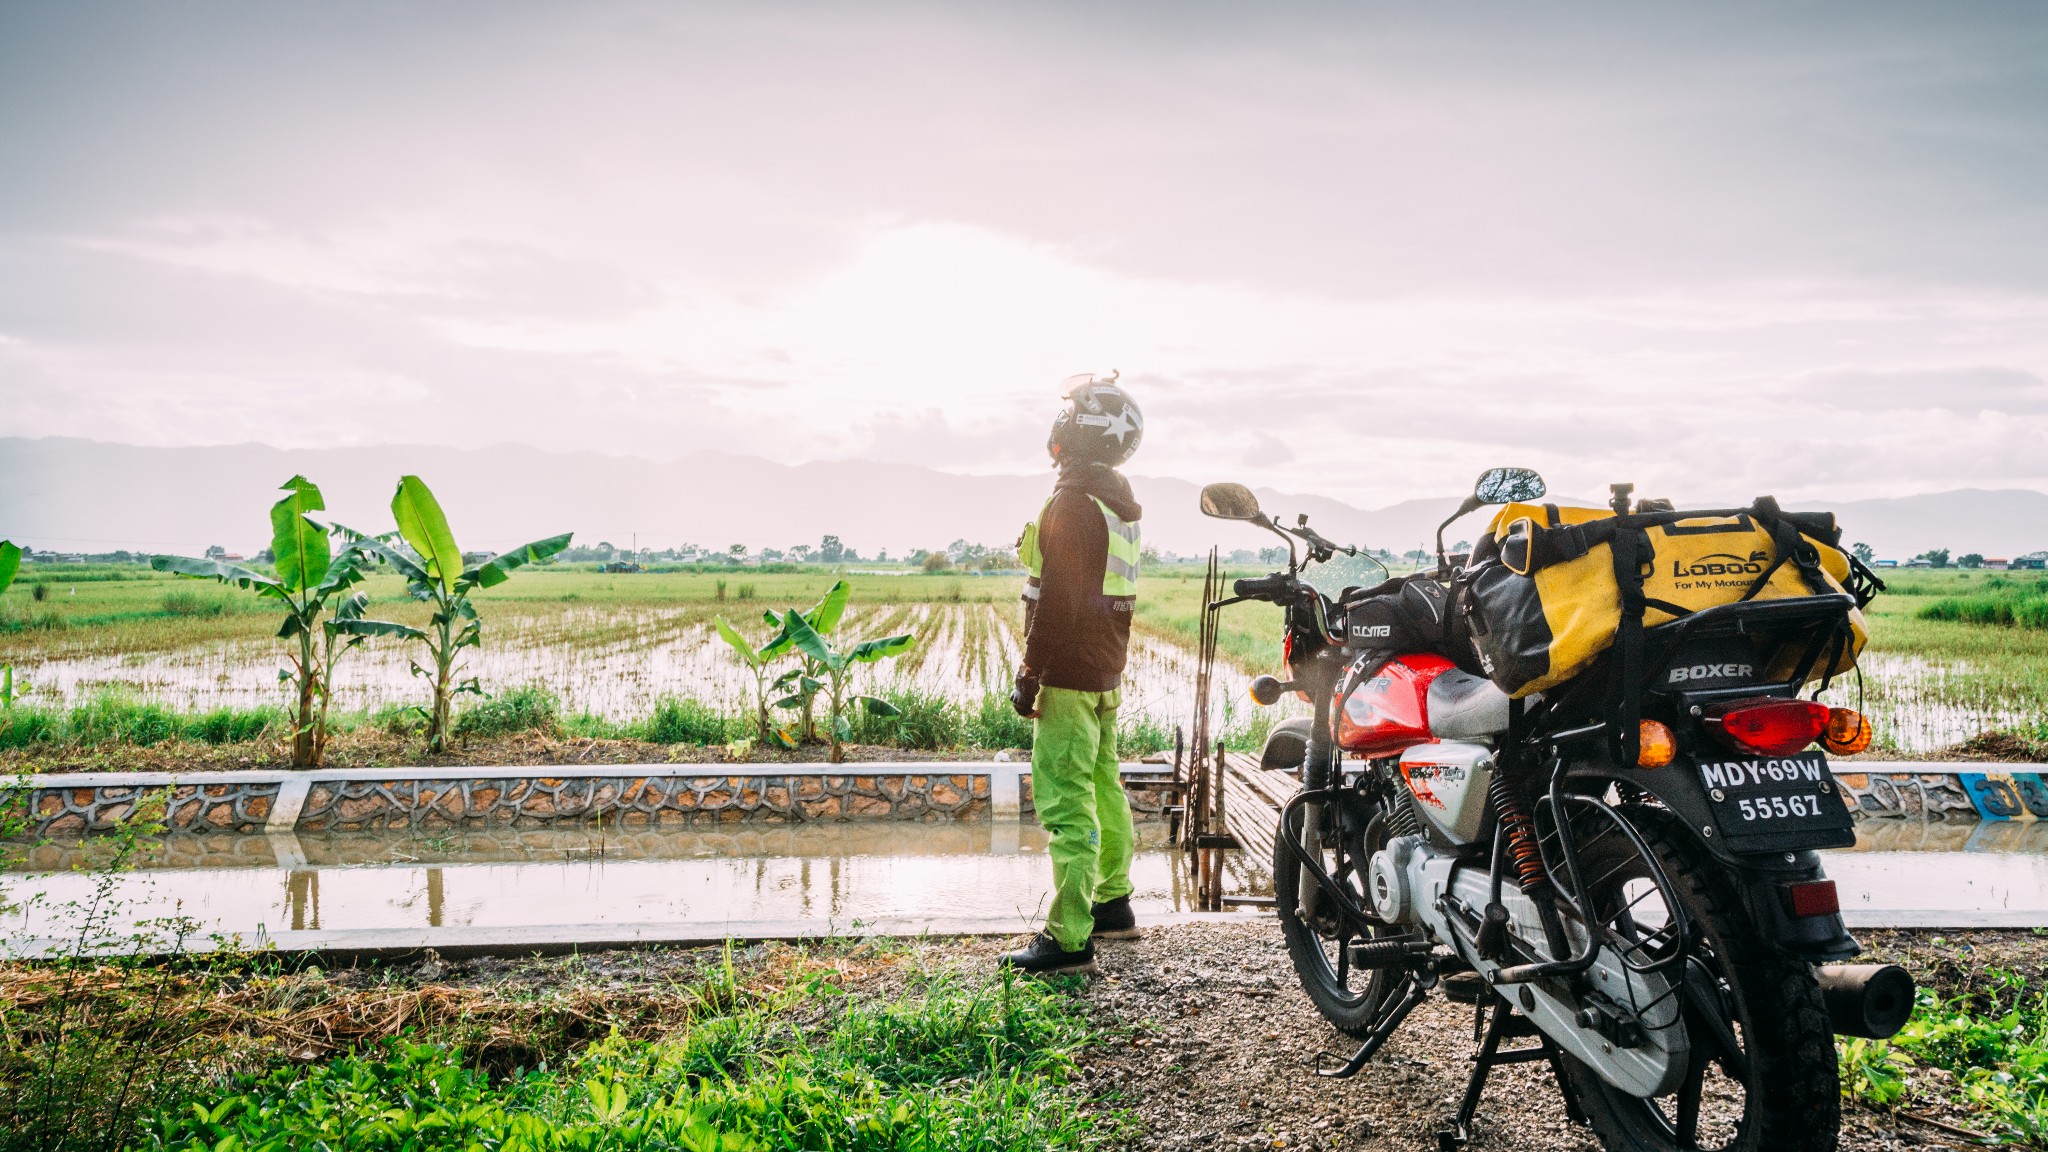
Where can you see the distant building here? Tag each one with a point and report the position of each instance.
(233, 556)
(1919, 563)
(2034, 560)
(1887, 563)
(1996, 564)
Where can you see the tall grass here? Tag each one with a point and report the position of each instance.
(923, 721)
(680, 720)
(995, 724)
(981, 1063)
(527, 708)
(187, 602)
(111, 719)
(2002, 601)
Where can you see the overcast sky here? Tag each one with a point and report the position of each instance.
(1355, 249)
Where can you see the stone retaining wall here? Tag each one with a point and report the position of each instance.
(188, 807)
(489, 800)
(635, 801)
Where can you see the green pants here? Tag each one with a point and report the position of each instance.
(1081, 804)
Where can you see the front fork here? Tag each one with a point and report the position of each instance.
(1318, 770)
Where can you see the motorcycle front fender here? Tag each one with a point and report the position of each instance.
(1761, 878)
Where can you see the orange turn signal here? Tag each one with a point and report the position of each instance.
(1655, 744)
(1848, 732)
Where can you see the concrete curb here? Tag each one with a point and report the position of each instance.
(310, 776)
(566, 939)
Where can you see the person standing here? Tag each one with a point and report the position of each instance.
(1082, 556)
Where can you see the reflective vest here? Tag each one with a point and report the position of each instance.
(1119, 573)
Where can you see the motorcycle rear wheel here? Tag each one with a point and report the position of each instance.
(1789, 1092)
(1349, 997)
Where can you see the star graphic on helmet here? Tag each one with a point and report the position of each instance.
(1120, 425)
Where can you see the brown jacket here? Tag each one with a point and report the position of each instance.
(1074, 636)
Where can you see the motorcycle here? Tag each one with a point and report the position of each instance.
(1680, 973)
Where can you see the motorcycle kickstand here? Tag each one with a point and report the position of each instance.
(1483, 1064)
(1412, 993)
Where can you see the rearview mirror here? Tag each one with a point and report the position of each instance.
(1507, 486)
(1230, 502)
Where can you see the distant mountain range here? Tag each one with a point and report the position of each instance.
(91, 496)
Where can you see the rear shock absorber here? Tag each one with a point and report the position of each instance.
(1525, 856)
(1518, 837)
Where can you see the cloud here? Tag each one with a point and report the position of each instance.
(1361, 252)
(1266, 449)
(1963, 390)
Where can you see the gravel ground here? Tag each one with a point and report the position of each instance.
(1220, 1037)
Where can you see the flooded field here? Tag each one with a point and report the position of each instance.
(612, 646)
(614, 662)
(1918, 704)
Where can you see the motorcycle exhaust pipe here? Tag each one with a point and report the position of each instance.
(1868, 1000)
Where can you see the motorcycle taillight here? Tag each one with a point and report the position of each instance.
(1767, 727)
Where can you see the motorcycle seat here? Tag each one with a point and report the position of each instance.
(1466, 707)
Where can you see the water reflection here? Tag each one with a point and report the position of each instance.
(841, 874)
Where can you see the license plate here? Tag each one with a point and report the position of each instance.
(1775, 803)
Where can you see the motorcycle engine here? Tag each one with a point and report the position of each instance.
(1389, 880)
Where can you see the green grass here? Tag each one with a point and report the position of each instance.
(922, 721)
(685, 721)
(112, 719)
(1993, 1045)
(994, 723)
(2006, 601)
(949, 1062)
(527, 708)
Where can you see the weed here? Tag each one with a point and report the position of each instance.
(39, 592)
(685, 721)
(995, 724)
(920, 720)
(591, 726)
(950, 1062)
(399, 719)
(110, 718)
(744, 592)
(24, 727)
(1142, 736)
(528, 708)
(98, 1045)
(1993, 1043)
(234, 725)
(183, 602)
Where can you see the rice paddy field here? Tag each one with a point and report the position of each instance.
(1949, 657)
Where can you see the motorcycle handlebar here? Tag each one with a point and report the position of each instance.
(1263, 587)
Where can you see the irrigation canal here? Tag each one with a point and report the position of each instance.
(594, 884)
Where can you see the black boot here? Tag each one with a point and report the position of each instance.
(1044, 957)
(1115, 921)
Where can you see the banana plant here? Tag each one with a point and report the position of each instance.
(839, 666)
(10, 566)
(347, 631)
(434, 573)
(803, 684)
(309, 574)
(759, 661)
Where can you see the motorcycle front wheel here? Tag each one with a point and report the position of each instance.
(1349, 997)
(1761, 1071)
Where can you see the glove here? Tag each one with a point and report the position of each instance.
(1024, 697)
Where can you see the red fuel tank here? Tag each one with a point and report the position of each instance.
(1391, 711)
